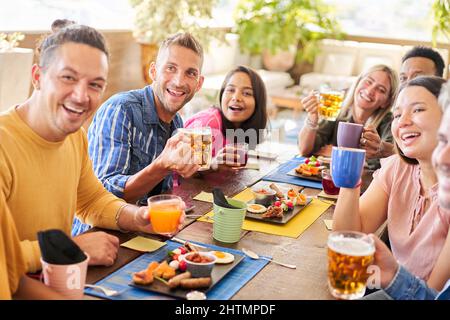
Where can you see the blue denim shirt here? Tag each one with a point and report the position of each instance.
(406, 286)
(125, 136)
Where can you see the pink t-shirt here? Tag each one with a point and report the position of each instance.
(209, 118)
(416, 235)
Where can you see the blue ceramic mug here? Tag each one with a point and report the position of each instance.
(346, 166)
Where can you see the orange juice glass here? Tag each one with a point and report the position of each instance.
(165, 212)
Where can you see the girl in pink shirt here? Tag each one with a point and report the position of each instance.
(243, 102)
(404, 190)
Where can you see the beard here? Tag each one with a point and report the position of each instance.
(171, 108)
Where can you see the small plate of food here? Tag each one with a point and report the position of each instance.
(311, 169)
(281, 210)
(185, 270)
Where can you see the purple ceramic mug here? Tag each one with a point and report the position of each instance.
(349, 134)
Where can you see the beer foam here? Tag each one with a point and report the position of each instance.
(351, 247)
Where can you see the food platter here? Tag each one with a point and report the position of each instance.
(287, 216)
(312, 178)
(219, 271)
(310, 169)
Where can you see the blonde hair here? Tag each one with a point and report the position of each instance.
(380, 113)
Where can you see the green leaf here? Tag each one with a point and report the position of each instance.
(276, 25)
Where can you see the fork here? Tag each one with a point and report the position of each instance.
(107, 292)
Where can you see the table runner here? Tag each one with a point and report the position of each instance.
(279, 174)
(293, 229)
(223, 290)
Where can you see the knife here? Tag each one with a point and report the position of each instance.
(184, 242)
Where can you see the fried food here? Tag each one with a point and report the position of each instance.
(307, 170)
(273, 212)
(300, 200)
(164, 271)
(145, 277)
(223, 257)
(256, 208)
(176, 281)
(195, 283)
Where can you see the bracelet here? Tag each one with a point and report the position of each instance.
(311, 125)
(358, 184)
(119, 212)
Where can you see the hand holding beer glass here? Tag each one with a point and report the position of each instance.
(165, 213)
(349, 255)
(234, 155)
(201, 145)
(330, 103)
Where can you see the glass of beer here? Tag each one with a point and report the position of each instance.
(330, 103)
(349, 255)
(165, 211)
(201, 146)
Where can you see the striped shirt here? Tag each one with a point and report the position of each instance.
(125, 136)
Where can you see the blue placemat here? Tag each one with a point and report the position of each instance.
(279, 174)
(224, 290)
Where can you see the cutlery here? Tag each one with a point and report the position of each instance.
(107, 292)
(184, 242)
(194, 215)
(253, 255)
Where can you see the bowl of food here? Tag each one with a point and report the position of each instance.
(200, 264)
(264, 196)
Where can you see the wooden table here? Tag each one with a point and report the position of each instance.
(308, 251)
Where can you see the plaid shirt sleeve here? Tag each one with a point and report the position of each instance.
(110, 147)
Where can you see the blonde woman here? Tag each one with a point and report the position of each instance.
(368, 102)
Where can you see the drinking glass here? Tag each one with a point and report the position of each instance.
(165, 212)
(349, 255)
(201, 145)
(236, 154)
(327, 183)
(330, 103)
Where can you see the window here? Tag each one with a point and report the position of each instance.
(400, 19)
(37, 15)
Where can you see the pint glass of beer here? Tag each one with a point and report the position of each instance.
(201, 145)
(349, 255)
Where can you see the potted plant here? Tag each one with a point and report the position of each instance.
(156, 20)
(15, 70)
(441, 20)
(269, 27)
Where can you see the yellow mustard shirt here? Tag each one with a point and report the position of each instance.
(45, 183)
(12, 265)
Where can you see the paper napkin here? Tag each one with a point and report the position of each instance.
(143, 244)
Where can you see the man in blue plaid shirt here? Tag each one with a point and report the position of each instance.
(131, 145)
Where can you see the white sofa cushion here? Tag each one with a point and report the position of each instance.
(315, 80)
(339, 64)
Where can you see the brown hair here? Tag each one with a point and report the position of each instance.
(380, 113)
(433, 85)
(65, 31)
(185, 40)
(258, 120)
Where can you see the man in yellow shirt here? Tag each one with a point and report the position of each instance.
(13, 280)
(45, 172)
